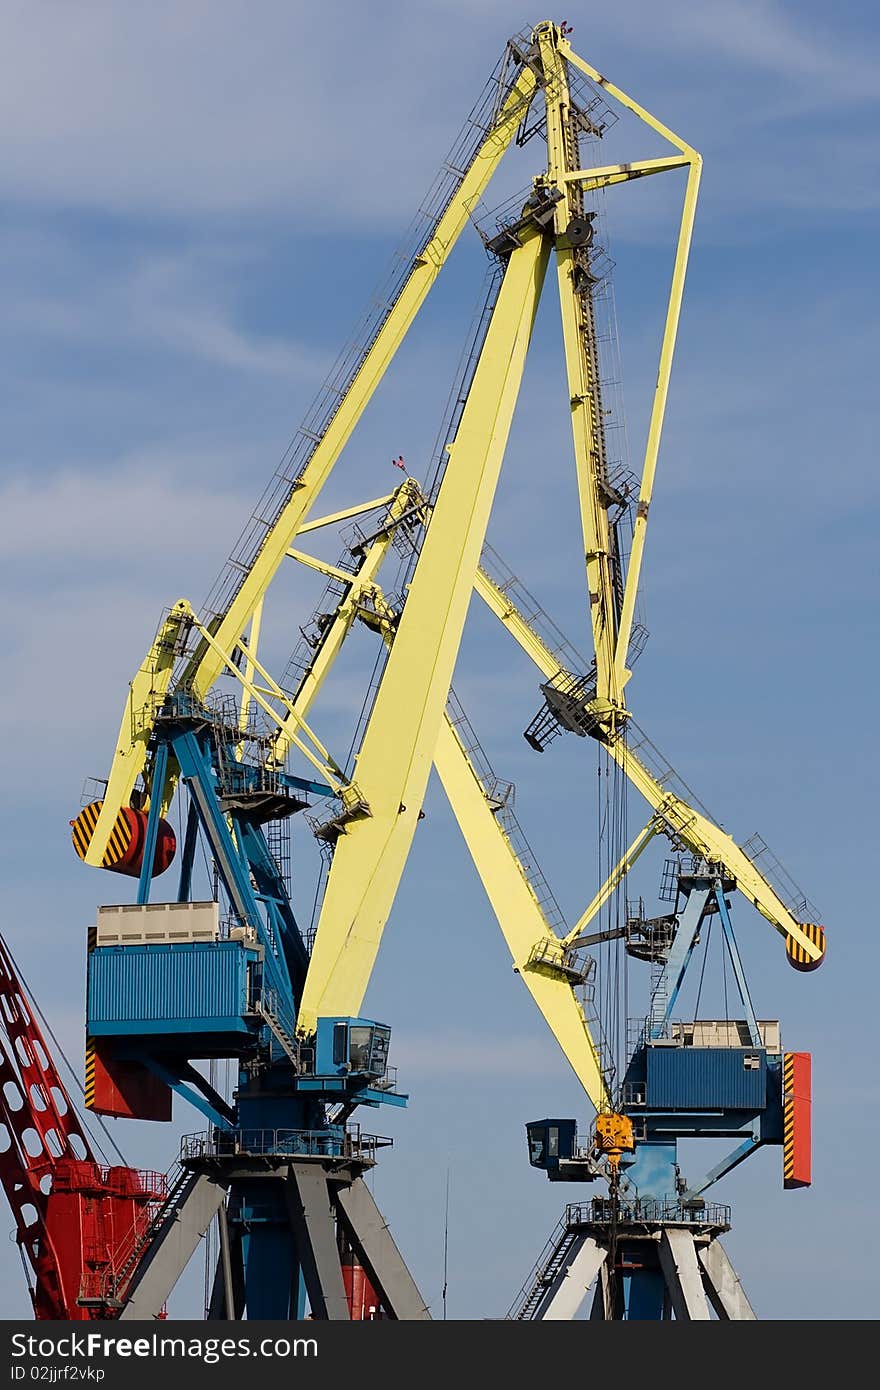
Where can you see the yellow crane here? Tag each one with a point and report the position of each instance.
(541, 86)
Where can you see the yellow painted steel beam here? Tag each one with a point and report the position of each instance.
(578, 331)
(654, 827)
(253, 644)
(513, 901)
(398, 746)
(518, 626)
(146, 694)
(567, 52)
(322, 566)
(511, 618)
(409, 494)
(709, 841)
(695, 830)
(518, 913)
(608, 174)
(658, 411)
(344, 515)
(320, 759)
(351, 407)
(556, 49)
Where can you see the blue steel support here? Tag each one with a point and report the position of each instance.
(198, 775)
(644, 1295)
(160, 767)
(679, 956)
(732, 1160)
(279, 1261)
(270, 885)
(274, 1287)
(223, 1117)
(733, 952)
(187, 858)
(197, 772)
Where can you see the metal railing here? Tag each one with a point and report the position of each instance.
(780, 880)
(500, 797)
(350, 1143)
(675, 1210)
(104, 1284)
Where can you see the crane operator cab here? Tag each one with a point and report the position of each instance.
(553, 1146)
(352, 1047)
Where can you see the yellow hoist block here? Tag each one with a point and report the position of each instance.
(614, 1136)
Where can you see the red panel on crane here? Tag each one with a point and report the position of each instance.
(797, 1104)
(124, 1089)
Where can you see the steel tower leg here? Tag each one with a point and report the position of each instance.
(225, 1262)
(723, 1286)
(603, 1306)
(216, 1305)
(681, 1270)
(379, 1254)
(227, 1291)
(314, 1230)
(568, 1290)
(281, 1233)
(271, 1248)
(173, 1247)
(660, 1269)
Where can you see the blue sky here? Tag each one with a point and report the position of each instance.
(198, 199)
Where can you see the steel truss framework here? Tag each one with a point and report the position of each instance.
(307, 1202)
(410, 725)
(641, 1267)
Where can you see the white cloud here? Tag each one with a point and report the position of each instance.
(141, 514)
(178, 301)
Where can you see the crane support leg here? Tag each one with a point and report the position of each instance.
(723, 1286)
(227, 1293)
(173, 1247)
(659, 1269)
(569, 1288)
(602, 1309)
(396, 753)
(681, 1270)
(378, 1251)
(314, 1232)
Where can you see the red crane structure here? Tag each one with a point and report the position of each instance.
(81, 1225)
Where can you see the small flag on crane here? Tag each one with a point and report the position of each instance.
(399, 463)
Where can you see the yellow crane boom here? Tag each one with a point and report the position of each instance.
(408, 727)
